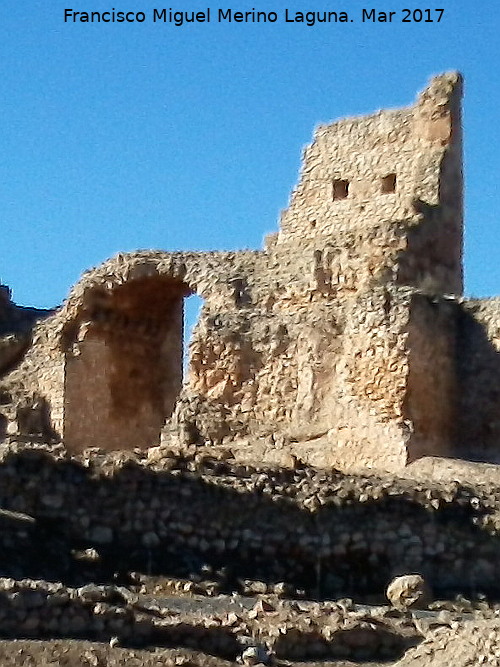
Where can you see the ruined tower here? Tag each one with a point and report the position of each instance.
(340, 342)
(381, 195)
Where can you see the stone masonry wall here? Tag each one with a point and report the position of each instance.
(282, 630)
(431, 406)
(321, 532)
(334, 345)
(128, 370)
(399, 213)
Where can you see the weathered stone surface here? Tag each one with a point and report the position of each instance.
(316, 631)
(409, 591)
(330, 346)
(463, 645)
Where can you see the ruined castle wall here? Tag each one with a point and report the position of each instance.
(433, 258)
(264, 367)
(371, 372)
(109, 363)
(322, 383)
(133, 329)
(316, 347)
(332, 384)
(39, 378)
(356, 234)
(369, 385)
(392, 382)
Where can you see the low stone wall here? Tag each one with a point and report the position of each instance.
(39, 609)
(324, 533)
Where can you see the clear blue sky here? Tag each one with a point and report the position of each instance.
(123, 136)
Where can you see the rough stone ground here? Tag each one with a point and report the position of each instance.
(188, 614)
(473, 643)
(72, 653)
(469, 646)
(452, 634)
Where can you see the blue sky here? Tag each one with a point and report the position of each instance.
(116, 137)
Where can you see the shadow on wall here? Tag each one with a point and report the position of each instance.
(478, 365)
(3, 426)
(126, 375)
(421, 263)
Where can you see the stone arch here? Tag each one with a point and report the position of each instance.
(124, 366)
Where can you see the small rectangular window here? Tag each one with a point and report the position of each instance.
(340, 189)
(388, 184)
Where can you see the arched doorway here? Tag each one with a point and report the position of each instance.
(124, 373)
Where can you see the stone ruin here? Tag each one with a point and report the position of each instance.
(346, 342)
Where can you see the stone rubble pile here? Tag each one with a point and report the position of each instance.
(461, 645)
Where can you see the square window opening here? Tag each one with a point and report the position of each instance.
(340, 189)
(388, 184)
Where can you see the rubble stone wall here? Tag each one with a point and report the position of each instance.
(322, 532)
(400, 212)
(343, 343)
(230, 630)
(36, 384)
